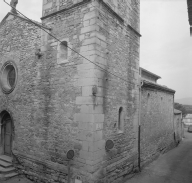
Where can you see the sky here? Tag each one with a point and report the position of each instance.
(165, 42)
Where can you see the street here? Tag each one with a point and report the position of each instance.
(174, 166)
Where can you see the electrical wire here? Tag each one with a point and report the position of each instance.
(42, 28)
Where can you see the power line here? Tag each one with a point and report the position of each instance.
(42, 28)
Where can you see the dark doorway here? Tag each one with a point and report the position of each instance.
(7, 133)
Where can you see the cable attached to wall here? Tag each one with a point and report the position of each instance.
(42, 28)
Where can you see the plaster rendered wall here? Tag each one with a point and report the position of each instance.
(148, 77)
(178, 127)
(157, 123)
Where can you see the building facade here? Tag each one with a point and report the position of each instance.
(187, 120)
(157, 118)
(178, 125)
(58, 93)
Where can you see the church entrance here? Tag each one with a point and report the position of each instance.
(6, 134)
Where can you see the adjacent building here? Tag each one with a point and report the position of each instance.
(157, 117)
(178, 126)
(187, 120)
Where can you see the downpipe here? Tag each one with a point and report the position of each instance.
(139, 125)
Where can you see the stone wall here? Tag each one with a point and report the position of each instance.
(120, 46)
(157, 123)
(43, 103)
(61, 104)
(19, 40)
(52, 6)
(104, 38)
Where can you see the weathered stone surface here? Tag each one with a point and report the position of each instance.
(157, 125)
(74, 104)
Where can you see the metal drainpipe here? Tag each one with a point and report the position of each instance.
(139, 124)
(174, 137)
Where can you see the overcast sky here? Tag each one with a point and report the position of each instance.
(165, 42)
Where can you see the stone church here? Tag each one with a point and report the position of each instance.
(74, 104)
(70, 84)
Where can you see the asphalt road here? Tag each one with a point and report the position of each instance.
(173, 167)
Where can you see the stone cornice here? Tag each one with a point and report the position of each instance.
(65, 9)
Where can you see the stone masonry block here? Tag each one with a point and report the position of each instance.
(91, 41)
(88, 81)
(87, 73)
(85, 135)
(91, 109)
(83, 126)
(89, 100)
(96, 58)
(95, 126)
(89, 118)
(85, 145)
(86, 48)
(92, 21)
(88, 52)
(87, 91)
(82, 67)
(93, 146)
(90, 15)
(98, 135)
(82, 37)
(86, 23)
(100, 144)
(99, 154)
(93, 162)
(89, 29)
(86, 155)
(98, 35)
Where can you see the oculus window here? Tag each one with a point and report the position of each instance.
(8, 77)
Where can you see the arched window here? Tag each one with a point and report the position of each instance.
(64, 50)
(121, 119)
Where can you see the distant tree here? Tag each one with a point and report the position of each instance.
(181, 108)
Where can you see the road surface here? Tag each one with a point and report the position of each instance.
(173, 167)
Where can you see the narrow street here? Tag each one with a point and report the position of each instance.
(172, 167)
